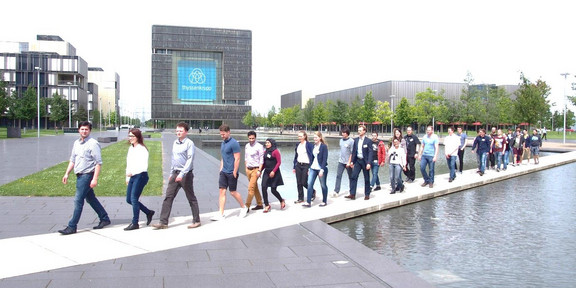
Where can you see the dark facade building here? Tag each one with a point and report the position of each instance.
(202, 76)
(291, 100)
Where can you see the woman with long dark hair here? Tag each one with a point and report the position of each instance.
(271, 176)
(137, 177)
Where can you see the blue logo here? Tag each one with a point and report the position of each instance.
(197, 80)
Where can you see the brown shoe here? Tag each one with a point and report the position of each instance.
(351, 197)
(424, 184)
(366, 197)
(159, 226)
(194, 225)
(431, 185)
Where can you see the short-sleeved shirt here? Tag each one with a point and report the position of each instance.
(411, 142)
(86, 155)
(228, 148)
(429, 144)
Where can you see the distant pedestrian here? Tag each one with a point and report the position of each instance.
(517, 146)
(451, 147)
(412, 148)
(362, 156)
(481, 147)
(462, 148)
(535, 144)
(397, 163)
(228, 179)
(302, 160)
(498, 147)
(428, 156)
(318, 169)
(271, 176)
(137, 177)
(379, 152)
(544, 133)
(526, 148)
(86, 160)
(181, 176)
(344, 160)
(253, 159)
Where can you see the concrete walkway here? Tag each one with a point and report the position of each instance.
(291, 247)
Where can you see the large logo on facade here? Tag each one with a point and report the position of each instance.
(197, 80)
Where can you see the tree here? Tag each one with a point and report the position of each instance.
(354, 112)
(339, 112)
(270, 115)
(23, 108)
(383, 111)
(4, 97)
(308, 112)
(320, 115)
(368, 111)
(81, 115)
(404, 114)
(531, 103)
(430, 106)
(58, 109)
(248, 119)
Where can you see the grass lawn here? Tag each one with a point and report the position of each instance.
(52, 132)
(112, 180)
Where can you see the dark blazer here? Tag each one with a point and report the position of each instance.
(322, 156)
(309, 148)
(367, 152)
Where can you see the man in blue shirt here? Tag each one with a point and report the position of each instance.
(481, 147)
(428, 155)
(230, 150)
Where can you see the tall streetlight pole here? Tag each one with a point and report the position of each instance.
(88, 105)
(100, 116)
(38, 69)
(69, 105)
(109, 113)
(392, 115)
(564, 108)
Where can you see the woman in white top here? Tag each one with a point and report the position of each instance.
(137, 177)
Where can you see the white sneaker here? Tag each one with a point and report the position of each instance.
(218, 217)
(334, 195)
(243, 212)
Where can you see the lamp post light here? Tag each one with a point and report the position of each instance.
(69, 105)
(38, 69)
(564, 108)
(100, 116)
(109, 113)
(88, 105)
(392, 115)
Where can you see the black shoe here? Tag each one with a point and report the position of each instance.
(67, 231)
(149, 217)
(298, 201)
(102, 224)
(132, 226)
(377, 188)
(393, 192)
(314, 195)
(258, 207)
(450, 180)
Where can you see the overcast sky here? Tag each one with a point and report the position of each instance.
(322, 46)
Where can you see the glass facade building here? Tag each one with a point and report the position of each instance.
(202, 76)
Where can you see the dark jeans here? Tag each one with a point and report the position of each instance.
(410, 168)
(427, 161)
(360, 165)
(187, 184)
(133, 192)
(84, 192)
(461, 160)
(341, 168)
(301, 179)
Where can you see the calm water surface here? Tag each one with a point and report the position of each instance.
(516, 233)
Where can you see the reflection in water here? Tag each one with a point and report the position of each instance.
(515, 233)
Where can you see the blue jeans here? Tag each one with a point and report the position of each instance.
(498, 156)
(482, 161)
(312, 174)
(339, 172)
(133, 192)
(84, 192)
(506, 159)
(427, 161)
(375, 179)
(451, 161)
(395, 177)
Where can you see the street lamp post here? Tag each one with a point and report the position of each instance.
(38, 69)
(109, 113)
(69, 105)
(88, 105)
(392, 115)
(564, 108)
(100, 116)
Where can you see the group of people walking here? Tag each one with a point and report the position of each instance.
(362, 154)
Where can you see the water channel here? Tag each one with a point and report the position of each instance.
(515, 233)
